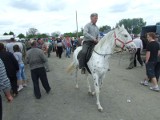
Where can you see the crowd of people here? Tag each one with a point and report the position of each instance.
(58, 45)
(15, 55)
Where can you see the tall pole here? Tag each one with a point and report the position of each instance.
(77, 24)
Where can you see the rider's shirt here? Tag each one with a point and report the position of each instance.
(91, 32)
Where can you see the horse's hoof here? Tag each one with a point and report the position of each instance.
(100, 109)
(89, 93)
(93, 93)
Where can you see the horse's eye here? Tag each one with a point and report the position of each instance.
(125, 35)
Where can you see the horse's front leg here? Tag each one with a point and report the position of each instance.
(89, 86)
(97, 90)
(101, 81)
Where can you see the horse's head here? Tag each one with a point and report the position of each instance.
(123, 39)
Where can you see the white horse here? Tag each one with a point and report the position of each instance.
(98, 63)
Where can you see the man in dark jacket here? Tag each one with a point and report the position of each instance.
(11, 66)
(36, 60)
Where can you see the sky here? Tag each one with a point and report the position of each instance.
(60, 15)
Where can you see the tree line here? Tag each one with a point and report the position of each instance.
(133, 26)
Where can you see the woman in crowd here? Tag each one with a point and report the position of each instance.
(59, 47)
(21, 77)
(68, 46)
(11, 66)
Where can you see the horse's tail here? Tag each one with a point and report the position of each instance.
(70, 67)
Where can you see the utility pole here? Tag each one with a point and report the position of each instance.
(77, 24)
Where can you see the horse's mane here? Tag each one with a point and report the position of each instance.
(104, 39)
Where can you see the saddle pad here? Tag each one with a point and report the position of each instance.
(88, 56)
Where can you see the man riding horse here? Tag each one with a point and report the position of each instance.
(91, 33)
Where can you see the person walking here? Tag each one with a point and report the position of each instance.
(11, 66)
(152, 53)
(21, 77)
(50, 47)
(131, 64)
(9, 46)
(4, 86)
(139, 46)
(68, 46)
(91, 34)
(59, 47)
(40, 44)
(36, 60)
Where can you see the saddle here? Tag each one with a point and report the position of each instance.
(88, 56)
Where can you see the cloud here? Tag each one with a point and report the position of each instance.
(4, 22)
(24, 4)
(123, 7)
(56, 5)
(52, 15)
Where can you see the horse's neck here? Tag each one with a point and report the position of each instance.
(106, 44)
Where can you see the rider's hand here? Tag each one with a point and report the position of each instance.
(95, 41)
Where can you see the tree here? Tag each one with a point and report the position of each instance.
(5, 33)
(11, 33)
(105, 29)
(43, 35)
(21, 35)
(132, 25)
(158, 23)
(55, 34)
(32, 31)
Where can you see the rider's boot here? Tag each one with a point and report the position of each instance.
(83, 70)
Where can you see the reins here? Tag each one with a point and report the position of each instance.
(104, 55)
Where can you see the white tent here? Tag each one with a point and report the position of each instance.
(6, 37)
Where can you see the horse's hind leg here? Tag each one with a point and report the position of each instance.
(76, 77)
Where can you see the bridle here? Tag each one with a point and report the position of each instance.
(123, 43)
(115, 39)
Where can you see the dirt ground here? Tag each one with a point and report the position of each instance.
(67, 103)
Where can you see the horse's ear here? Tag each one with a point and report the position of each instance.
(118, 26)
(122, 26)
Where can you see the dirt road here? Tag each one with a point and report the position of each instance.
(67, 103)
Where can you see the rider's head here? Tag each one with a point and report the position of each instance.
(94, 18)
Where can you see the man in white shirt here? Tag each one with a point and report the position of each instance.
(9, 46)
(139, 46)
